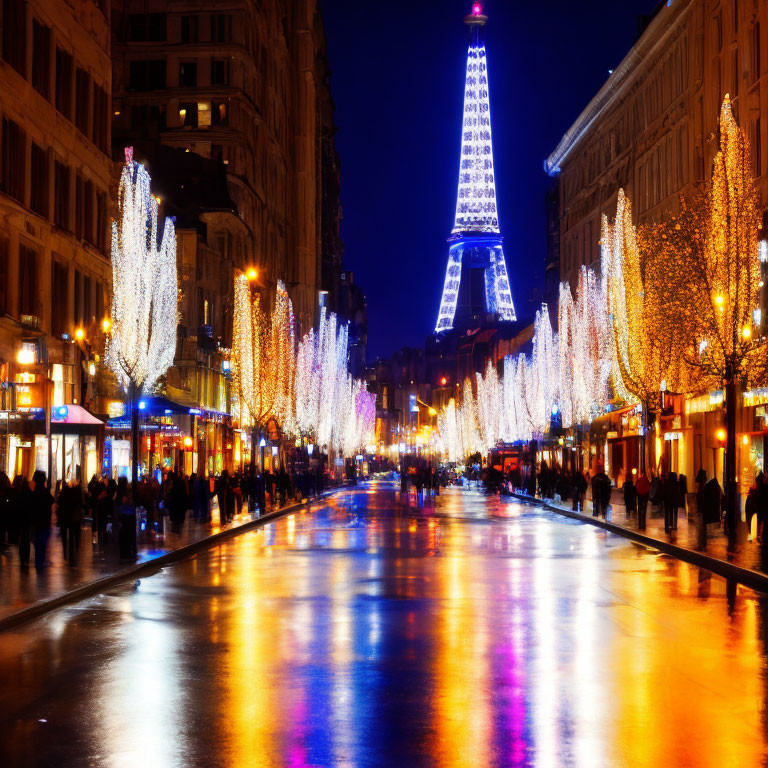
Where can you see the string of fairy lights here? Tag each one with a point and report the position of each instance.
(304, 384)
(675, 307)
(142, 341)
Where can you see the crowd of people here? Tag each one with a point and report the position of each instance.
(665, 490)
(30, 511)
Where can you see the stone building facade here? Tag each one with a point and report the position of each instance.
(56, 180)
(246, 84)
(652, 128)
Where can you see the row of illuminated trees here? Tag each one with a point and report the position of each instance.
(676, 307)
(303, 384)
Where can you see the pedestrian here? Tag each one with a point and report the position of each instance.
(630, 497)
(643, 491)
(751, 506)
(21, 503)
(671, 502)
(579, 489)
(41, 504)
(6, 511)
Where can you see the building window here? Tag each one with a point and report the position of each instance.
(756, 63)
(82, 97)
(90, 214)
(735, 73)
(59, 295)
(27, 280)
(147, 119)
(190, 29)
(14, 159)
(5, 248)
(219, 72)
(79, 207)
(15, 35)
(100, 118)
(99, 302)
(188, 113)
(147, 27)
(39, 187)
(61, 197)
(101, 221)
(64, 71)
(758, 149)
(87, 316)
(146, 75)
(735, 17)
(79, 308)
(221, 28)
(41, 58)
(188, 74)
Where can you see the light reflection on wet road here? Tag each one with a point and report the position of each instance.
(369, 634)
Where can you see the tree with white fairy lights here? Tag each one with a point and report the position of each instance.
(142, 343)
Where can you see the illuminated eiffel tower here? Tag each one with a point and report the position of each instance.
(476, 285)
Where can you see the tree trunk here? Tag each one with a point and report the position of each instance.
(730, 457)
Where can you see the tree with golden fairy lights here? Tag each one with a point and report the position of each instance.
(643, 343)
(714, 254)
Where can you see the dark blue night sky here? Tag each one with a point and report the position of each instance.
(398, 85)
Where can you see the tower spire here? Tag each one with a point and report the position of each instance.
(476, 242)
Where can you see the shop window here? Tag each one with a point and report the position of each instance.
(28, 280)
(14, 166)
(15, 35)
(38, 198)
(64, 74)
(82, 97)
(41, 58)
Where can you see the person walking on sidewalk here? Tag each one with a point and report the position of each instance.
(671, 502)
(579, 490)
(601, 493)
(40, 509)
(21, 503)
(643, 491)
(630, 497)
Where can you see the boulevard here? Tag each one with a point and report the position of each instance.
(375, 630)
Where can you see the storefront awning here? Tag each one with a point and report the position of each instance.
(74, 414)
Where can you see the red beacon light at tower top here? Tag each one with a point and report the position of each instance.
(477, 9)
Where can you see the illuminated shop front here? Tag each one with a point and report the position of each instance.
(173, 436)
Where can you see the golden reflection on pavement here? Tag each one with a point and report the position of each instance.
(373, 631)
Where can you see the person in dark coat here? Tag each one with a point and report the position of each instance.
(711, 501)
(126, 514)
(69, 517)
(223, 491)
(41, 504)
(6, 511)
(579, 489)
(751, 507)
(601, 493)
(701, 481)
(630, 497)
(179, 502)
(21, 503)
(643, 491)
(671, 502)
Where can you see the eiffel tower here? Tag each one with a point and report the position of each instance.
(476, 287)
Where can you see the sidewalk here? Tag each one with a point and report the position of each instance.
(741, 561)
(28, 592)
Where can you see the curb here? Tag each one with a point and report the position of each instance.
(746, 576)
(150, 566)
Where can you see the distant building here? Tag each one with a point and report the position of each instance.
(353, 309)
(247, 85)
(652, 128)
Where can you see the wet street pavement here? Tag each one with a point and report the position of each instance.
(370, 632)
